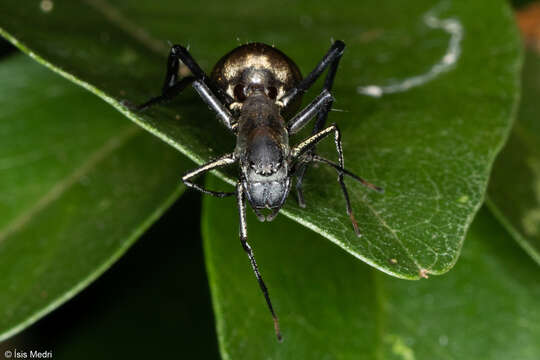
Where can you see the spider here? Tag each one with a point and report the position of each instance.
(254, 89)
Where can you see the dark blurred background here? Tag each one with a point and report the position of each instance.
(520, 3)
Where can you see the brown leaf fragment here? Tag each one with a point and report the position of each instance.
(528, 20)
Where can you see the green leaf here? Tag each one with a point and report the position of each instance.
(79, 185)
(334, 307)
(430, 146)
(514, 188)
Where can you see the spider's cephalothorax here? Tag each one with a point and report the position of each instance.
(256, 76)
(262, 148)
(255, 91)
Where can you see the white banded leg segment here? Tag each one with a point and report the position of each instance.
(314, 139)
(221, 162)
(309, 143)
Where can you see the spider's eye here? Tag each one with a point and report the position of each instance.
(272, 92)
(239, 92)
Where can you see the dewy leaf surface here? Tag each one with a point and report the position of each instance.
(333, 307)
(514, 188)
(431, 144)
(79, 185)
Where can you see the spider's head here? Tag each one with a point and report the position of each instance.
(265, 173)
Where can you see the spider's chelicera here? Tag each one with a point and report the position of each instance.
(254, 89)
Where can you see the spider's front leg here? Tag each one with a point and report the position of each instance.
(316, 107)
(217, 99)
(241, 198)
(307, 146)
(212, 165)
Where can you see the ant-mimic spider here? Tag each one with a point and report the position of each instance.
(253, 89)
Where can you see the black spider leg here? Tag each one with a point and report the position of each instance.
(295, 125)
(302, 118)
(307, 145)
(331, 60)
(222, 161)
(320, 103)
(216, 98)
(241, 198)
(167, 93)
(320, 159)
(225, 160)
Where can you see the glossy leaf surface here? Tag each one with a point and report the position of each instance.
(79, 185)
(431, 144)
(514, 189)
(333, 307)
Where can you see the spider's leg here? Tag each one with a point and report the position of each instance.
(330, 61)
(222, 161)
(180, 52)
(215, 97)
(241, 197)
(167, 95)
(307, 146)
(318, 105)
(320, 159)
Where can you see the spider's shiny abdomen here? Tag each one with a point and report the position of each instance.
(256, 67)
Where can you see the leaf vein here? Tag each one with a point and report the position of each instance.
(117, 18)
(60, 187)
